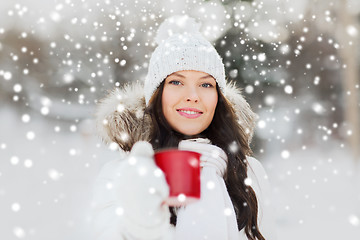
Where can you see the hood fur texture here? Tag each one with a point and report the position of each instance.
(120, 115)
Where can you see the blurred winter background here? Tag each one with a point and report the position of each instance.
(297, 61)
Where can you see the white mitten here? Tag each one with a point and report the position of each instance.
(141, 190)
(209, 153)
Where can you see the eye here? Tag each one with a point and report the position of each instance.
(207, 85)
(175, 82)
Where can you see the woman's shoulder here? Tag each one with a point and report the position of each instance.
(261, 185)
(257, 175)
(110, 168)
(256, 167)
(104, 182)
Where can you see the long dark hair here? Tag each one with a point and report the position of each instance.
(226, 133)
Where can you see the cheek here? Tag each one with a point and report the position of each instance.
(167, 100)
(211, 102)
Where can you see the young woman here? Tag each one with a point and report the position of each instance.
(186, 104)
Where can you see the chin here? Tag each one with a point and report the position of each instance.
(188, 132)
(189, 129)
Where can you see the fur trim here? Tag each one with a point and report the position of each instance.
(246, 117)
(120, 116)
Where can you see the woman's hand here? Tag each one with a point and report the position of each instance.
(210, 154)
(128, 196)
(141, 190)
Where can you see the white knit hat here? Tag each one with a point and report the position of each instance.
(182, 47)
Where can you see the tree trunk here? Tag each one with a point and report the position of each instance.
(349, 47)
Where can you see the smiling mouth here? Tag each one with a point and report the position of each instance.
(188, 111)
(190, 114)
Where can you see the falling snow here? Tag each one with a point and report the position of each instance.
(58, 59)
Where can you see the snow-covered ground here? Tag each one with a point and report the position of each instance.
(316, 194)
(47, 170)
(45, 182)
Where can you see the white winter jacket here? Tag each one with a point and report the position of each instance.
(119, 119)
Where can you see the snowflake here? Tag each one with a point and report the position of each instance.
(17, 88)
(285, 154)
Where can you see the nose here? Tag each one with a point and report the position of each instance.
(192, 95)
(189, 100)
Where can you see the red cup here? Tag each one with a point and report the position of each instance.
(182, 173)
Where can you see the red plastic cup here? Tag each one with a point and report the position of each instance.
(182, 173)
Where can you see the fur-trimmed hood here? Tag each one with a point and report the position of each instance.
(120, 115)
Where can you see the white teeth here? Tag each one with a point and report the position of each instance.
(188, 112)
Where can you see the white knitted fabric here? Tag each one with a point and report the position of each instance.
(182, 47)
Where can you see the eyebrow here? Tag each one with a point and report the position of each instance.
(182, 76)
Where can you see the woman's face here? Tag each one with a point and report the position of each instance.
(189, 100)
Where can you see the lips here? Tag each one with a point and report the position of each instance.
(189, 112)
